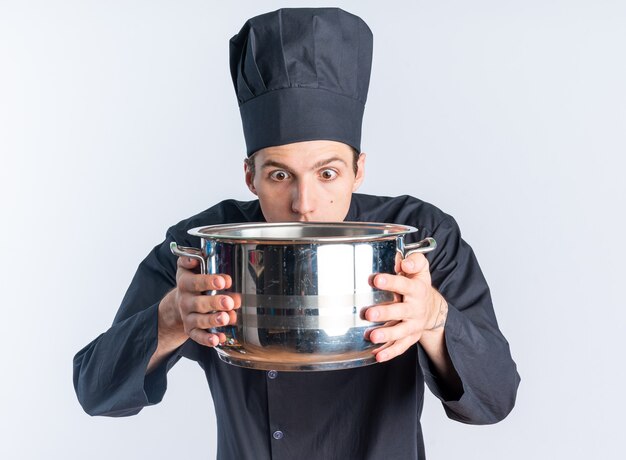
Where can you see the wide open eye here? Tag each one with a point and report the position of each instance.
(279, 175)
(328, 174)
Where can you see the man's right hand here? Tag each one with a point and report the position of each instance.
(186, 312)
(198, 311)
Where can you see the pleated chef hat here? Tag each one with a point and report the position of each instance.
(301, 74)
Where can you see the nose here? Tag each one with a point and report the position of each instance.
(303, 199)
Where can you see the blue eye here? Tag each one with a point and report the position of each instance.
(279, 175)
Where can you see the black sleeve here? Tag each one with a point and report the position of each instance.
(478, 350)
(110, 373)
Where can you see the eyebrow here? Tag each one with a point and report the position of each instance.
(319, 164)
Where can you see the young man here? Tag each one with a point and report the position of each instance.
(301, 77)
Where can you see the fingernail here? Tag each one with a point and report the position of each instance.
(221, 319)
(374, 315)
(224, 302)
(219, 283)
(381, 281)
(379, 337)
(409, 264)
(382, 355)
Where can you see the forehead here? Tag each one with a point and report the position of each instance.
(304, 153)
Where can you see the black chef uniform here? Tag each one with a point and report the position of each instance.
(302, 74)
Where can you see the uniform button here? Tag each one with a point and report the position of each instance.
(272, 374)
(278, 434)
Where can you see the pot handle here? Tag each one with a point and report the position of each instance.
(194, 253)
(423, 246)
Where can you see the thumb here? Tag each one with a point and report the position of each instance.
(415, 265)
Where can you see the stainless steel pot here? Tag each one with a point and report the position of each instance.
(304, 289)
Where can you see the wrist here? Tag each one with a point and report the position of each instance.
(439, 312)
(170, 328)
(170, 334)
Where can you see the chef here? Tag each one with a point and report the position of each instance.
(301, 78)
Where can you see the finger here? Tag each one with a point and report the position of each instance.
(209, 320)
(394, 331)
(187, 263)
(200, 283)
(395, 349)
(389, 312)
(206, 338)
(383, 347)
(236, 299)
(232, 318)
(368, 332)
(400, 284)
(185, 266)
(399, 311)
(415, 264)
(192, 303)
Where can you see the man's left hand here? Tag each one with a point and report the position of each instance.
(406, 321)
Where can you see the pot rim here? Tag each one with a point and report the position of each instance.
(244, 232)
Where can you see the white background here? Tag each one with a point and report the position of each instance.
(118, 119)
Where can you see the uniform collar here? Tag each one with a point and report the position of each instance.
(352, 210)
